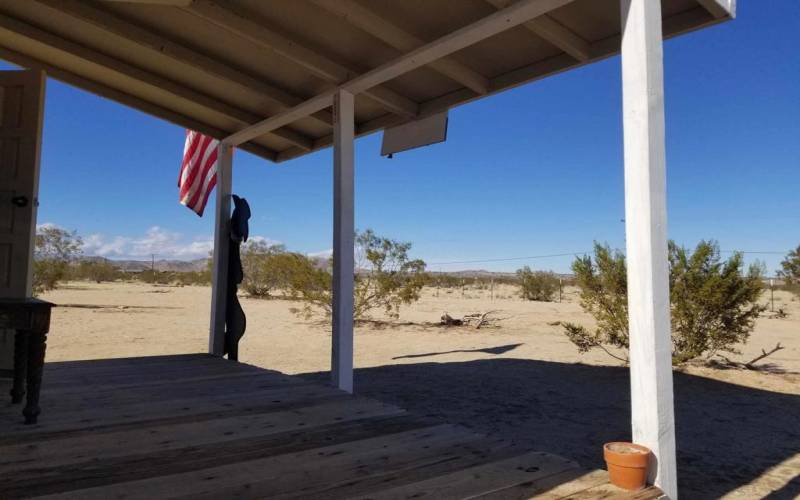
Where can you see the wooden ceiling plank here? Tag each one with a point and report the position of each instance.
(132, 101)
(554, 32)
(482, 29)
(673, 26)
(113, 23)
(366, 20)
(244, 118)
(171, 3)
(270, 37)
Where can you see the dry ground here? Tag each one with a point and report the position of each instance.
(738, 431)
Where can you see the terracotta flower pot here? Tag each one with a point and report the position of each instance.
(627, 464)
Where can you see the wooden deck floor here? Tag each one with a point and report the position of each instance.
(200, 427)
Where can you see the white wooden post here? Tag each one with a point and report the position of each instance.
(652, 414)
(343, 236)
(219, 271)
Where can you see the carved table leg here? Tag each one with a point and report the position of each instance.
(36, 348)
(20, 364)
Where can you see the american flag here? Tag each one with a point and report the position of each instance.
(198, 171)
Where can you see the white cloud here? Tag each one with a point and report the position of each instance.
(266, 241)
(96, 244)
(47, 225)
(322, 254)
(165, 244)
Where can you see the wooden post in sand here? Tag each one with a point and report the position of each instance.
(652, 413)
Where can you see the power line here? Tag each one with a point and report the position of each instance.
(479, 261)
(573, 254)
(755, 252)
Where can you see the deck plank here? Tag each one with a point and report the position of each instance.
(91, 420)
(119, 364)
(202, 427)
(482, 479)
(278, 473)
(554, 487)
(421, 468)
(78, 384)
(17, 459)
(610, 492)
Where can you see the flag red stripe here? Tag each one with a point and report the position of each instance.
(196, 165)
(211, 184)
(191, 141)
(198, 173)
(208, 171)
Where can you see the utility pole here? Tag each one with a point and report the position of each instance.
(153, 267)
(560, 287)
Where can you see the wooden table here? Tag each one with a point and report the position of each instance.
(30, 318)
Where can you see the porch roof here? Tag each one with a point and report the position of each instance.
(220, 66)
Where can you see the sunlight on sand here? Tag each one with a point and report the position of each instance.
(781, 480)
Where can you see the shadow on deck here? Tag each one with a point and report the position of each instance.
(729, 436)
(201, 427)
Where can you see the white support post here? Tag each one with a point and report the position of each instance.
(219, 272)
(343, 241)
(652, 414)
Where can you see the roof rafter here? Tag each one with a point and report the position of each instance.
(600, 50)
(482, 29)
(242, 117)
(113, 23)
(366, 20)
(554, 32)
(232, 19)
(132, 101)
(172, 3)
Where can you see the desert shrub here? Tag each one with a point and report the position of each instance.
(310, 284)
(790, 267)
(447, 281)
(386, 278)
(96, 270)
(189, 278)
(262, 272)
(790, 271)
(541, 286)
(713, 303)
(158, 277)
(55, 248)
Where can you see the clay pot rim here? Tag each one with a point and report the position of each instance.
(631, 460)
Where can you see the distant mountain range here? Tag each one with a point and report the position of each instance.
(182, 266)
(135, 266)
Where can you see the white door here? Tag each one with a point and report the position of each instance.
(21, 106)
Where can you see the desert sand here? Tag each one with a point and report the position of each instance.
(738, 430)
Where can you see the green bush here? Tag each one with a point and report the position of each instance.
(266, 267)
(189, 278)
(55, 249)
(713, 303)
(386, 277)
(790, 271)
(541, 286)
(96, 270)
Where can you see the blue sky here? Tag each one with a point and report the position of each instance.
(533, 171)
